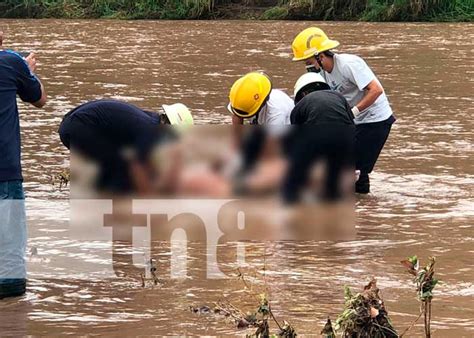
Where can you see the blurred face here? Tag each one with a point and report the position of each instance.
(320, 61)
(312, 64)
(326, 62)
(311, 61)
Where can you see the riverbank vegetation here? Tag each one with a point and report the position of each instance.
(364, 10)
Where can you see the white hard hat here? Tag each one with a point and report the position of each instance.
(178, 114)
(229, 108)
(306, 79)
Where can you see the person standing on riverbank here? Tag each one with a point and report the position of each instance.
(351, 76)
(17, 77)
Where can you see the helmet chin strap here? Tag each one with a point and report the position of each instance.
(255, 117)
(328, 54)
(320, 64)
(312, 68)
(318, 60)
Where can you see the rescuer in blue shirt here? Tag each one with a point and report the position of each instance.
(17, 77)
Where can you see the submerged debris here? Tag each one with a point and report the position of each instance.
(287, 331)
(243, 324)
(258, 319)
(61, 179)
(36, 257)
(263, 329)
(328, 330)
(365, 315)
(200, 309)
(151, 268)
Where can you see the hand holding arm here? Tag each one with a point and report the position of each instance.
(372, 91)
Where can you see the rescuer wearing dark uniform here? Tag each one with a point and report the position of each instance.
(118, 136)
(325, 131)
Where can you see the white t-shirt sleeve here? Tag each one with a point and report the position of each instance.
(279, 107)
(276, 119)
(358, 72)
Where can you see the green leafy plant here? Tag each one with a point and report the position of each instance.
(370, 10)
(425, 283)
(275, 13)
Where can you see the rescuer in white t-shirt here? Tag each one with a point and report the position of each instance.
(351, 76)
(253, 99)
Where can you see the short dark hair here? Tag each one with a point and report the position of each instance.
(164, 119)
(328, 53)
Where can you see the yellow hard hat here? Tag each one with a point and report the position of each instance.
(249, 93)
(178, 114)
(310, 42)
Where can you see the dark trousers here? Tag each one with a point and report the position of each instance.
(370, 140)
(331, 143)
(251, 147)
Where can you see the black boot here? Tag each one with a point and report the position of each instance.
(12, 288)
(362, 185)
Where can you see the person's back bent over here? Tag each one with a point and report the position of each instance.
(323, 130)
(119, 138)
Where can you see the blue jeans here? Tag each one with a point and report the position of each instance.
(13, 232)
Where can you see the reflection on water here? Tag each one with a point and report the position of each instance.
(422, 201)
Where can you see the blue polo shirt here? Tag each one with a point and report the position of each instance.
(15, 79)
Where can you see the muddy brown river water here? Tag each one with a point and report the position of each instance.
(423, 186)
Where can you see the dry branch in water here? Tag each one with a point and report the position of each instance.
(259, 319)
(365, 314)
